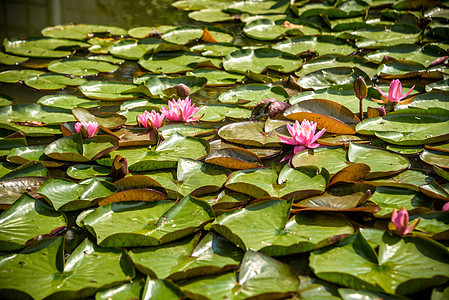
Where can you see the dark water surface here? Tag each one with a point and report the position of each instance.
(25, 18)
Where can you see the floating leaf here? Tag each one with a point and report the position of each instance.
(67, 101)
(134, 49)
(273, 233)
(25, 219)
(109, 90)
(12, 76)
(234, 158)
(113, 224)
(331, 76)
(81, 67)
(194, 257)
(172, 61)
(259, 275)
(258, 60)
(32, 112)
(249, 133)
(42, 47)
(87, 171)
(251, 94)
(437, 158)
(90, 267)
(323, 44)
(66, 195)
(80, 31)
(426, 263)
(21, 155)
(52, 81)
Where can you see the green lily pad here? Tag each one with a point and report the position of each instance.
(425, 265)
(211, 255)
(109, 90)
(81, 67)
(215, 49)
(134, 49)
(66, 195)
(100, 45)
(21, 155)
(116, 225)
(88, 269)
(52, 81)
(323, 44)
(381, 162)
(162, 87)
(290, 184)
(265, 29)
(29, 169)
(259, 275)
(425, 55)
(42, 47)
(338, 60)
(5, 100)
(433, 223)
(437, 99)
(13, 76)
(329, 77)
(438, 158)
(87, 171)
(401, 69)
(217, 77)
(408, 126)
(26, 219)
(211, 15)
(8, 144)
(410, 179)
(29, 112)
(192, 178)
(258, 60)
(187, 130)
(265, 7)
(81, 31)
(183, 35)
(389, 198)
(172, 61)
(74, 148)
(218, 112)
(145, 31)
(249, 133)
(165, 155)
(8, 59)
(251, 94)
(67, 101)
(234, 158)
(333, 159)
(270, 231)
(123, 291)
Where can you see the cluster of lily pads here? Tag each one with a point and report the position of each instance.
(192, 187)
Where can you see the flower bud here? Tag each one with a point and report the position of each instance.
(360, 88)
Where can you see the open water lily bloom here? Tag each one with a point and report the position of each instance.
(181, 111)
(91, 127)
(152, 119)
(394, 94)
(303, 135)
(400, 220)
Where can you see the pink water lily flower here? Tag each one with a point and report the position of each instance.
(303, 135)
(152, 119)
(181, 110)
(401, 219)
(91, 127)
(394, 94)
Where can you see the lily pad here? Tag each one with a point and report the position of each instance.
(426, 263)
(322, 44)
(438, 158)
(113, 224)
(162, 87)
(172, 61)
(211, 255)
(217, 77)
(333, 159)
(12, 76)
(218, 112)
(270, 231)
(134, 49)
(107, 120)
(30, 112)
(80, 171)
(91, 268)
(81, 67)
(251, 94)
(42, 47)
(81, 31)
(21, 155)
(67, 101)
(66, 195)
(25, 219)
(109, 90)
(408, 126)
(249, 133)
(8, 59)
(52, 81)
(258, 60)
(331, 76)
(259, 275)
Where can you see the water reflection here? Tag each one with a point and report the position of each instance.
(25, 18)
